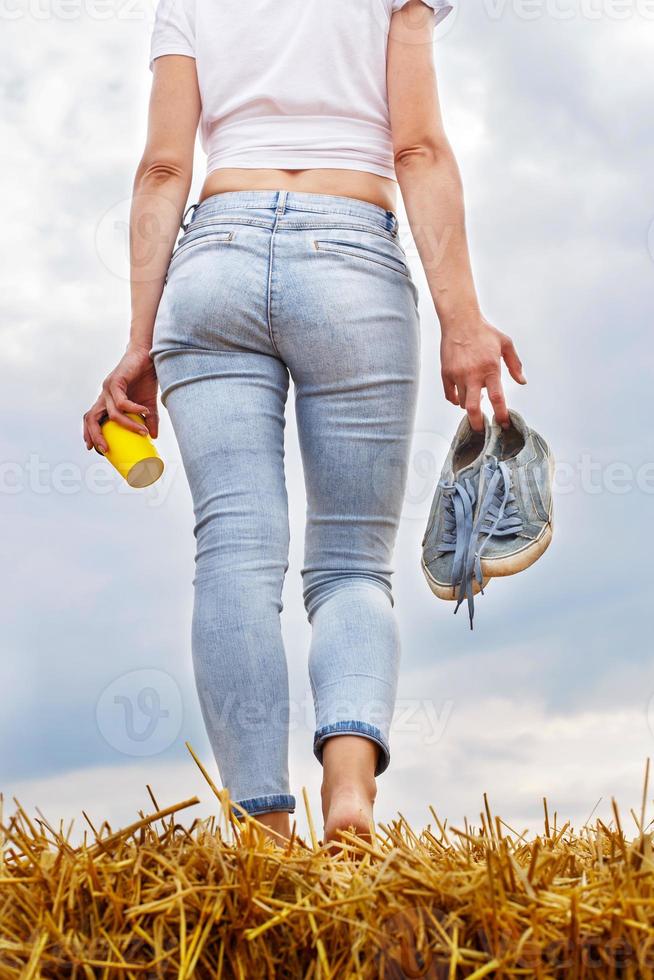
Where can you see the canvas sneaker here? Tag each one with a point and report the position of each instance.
(447, 540)
(513, 524)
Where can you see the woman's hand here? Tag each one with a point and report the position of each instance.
(131, 387)
(471, 359)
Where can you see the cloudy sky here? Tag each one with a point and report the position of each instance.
(549, 109)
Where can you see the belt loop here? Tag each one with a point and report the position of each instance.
(185, 223)
(281, 202)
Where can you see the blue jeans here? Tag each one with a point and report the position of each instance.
(263, 285)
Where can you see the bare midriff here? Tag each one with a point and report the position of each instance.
(359, 184)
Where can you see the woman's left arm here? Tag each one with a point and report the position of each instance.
(160, 191)
(471, 348)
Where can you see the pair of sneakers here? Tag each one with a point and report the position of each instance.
(492, 510)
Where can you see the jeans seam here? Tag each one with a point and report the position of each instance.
(270, 276)
(226, 218)
(352, 673)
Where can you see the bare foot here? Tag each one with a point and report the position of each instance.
(349, 788)
(349, 809)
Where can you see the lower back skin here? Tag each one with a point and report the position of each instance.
(343, 183)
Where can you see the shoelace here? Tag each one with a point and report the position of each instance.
(498, 515)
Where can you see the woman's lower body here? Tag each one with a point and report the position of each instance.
(263, 286)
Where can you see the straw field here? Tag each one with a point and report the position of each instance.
(217, 898)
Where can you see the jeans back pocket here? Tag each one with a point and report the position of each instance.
(196, 237)
(380, 250)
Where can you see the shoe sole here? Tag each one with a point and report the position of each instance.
(522, 559)
(519, 560)
(446, 590)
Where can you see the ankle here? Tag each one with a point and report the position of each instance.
(349, 784)
(277, 821)
(349, 765)
(348, 791)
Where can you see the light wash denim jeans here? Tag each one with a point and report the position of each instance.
(261, 285)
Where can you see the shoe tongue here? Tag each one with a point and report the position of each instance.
(470, 470)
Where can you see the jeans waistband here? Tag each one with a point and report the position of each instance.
(288, 202)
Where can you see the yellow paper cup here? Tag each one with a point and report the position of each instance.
(133, 455)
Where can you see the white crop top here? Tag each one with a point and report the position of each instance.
(288, 84)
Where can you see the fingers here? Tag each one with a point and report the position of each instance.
(473, 408)
(115, 400)
(512, 361)
(450, 390)
(124, 404)
(92, 431)
(496, 395)
(88, 442)
(152, 422)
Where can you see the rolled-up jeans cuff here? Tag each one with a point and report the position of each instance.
(264, 804)
(354, 728)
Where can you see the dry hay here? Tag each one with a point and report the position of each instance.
(220, 899)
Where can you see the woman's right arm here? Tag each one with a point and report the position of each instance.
(160, 192)
(471, 348)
